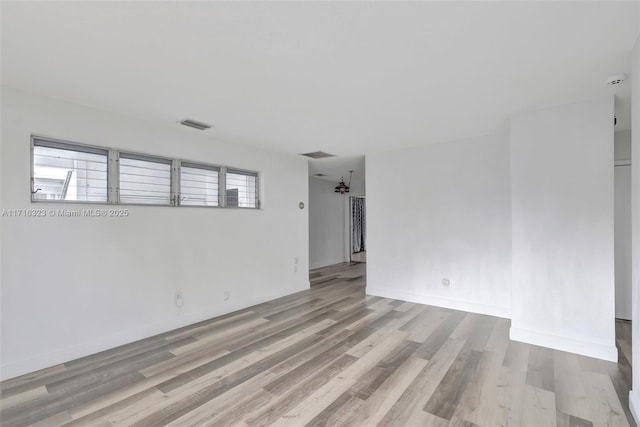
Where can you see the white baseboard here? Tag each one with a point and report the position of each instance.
(596, 350)
(66, 354)
(469, 306)
(634, 404)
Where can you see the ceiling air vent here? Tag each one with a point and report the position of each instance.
(195, 124)
(318, 155)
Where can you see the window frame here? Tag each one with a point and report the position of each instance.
(60, 144)
(239, 171)
(198, 165)
(132, 155)
(113, 156)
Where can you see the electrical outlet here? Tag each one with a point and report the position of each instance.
(446, 282)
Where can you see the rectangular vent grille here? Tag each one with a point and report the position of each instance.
(318, 155)
(195, 124)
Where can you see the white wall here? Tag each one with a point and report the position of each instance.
(562, 225)
(441, 211)
(326, 224)
(634, 398)
(75, 286)
(622, 145)
(622, 223)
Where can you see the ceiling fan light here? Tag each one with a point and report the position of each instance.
(343, 188)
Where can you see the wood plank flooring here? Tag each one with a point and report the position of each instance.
(329, 356)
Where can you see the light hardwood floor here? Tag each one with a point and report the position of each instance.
(329, 356)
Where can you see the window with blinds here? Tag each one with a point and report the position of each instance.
(68, 172)
(241, 189)
(199, 184)
(144, 180)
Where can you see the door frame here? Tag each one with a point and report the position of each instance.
(351, 224)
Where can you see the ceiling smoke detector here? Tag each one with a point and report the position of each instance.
(616, 79)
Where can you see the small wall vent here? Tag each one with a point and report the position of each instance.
(195, 124)
(318, 155)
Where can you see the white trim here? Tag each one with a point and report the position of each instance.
(473, 307)
(591, 349)
(634, 404)
(67, 354)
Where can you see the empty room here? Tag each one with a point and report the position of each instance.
(323, 213)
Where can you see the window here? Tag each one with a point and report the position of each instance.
(67, 172)
(198, 184)
(144, 180)
(241, 189)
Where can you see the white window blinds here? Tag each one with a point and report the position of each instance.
(72, 172)
(68, 172)
(144, 180)
(199, 185)
(241, 189)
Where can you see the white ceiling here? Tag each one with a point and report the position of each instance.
(346, 78)
(335, 168)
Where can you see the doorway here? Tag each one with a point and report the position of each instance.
(358, 229)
